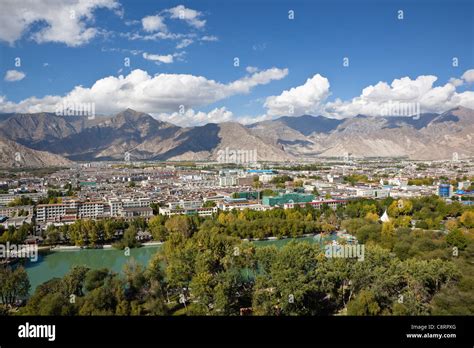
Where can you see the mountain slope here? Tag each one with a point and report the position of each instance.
(14, 155)
(142, 137)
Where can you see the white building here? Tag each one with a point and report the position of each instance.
(229, 180)
(369, 192)
(208, 211)
(227, 206)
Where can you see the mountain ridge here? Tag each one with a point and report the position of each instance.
(143, 137)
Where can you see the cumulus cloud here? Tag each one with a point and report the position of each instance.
(468, 76)
(192, 118)
(155, 28)
(190, 16)
(14, 75)
(456, 82)
(251, 69)
(304, 99)
(374, 98)
(159, 58)
(60, 21)
(154, 23)
(162, 93)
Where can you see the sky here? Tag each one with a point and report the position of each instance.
(195, 62)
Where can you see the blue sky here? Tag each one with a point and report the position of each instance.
(379, 46)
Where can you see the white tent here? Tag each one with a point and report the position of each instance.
(384, 217)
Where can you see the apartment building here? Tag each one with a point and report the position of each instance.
(208, 211)
(331, 203)
(369, 192)
(227, 206)
(117, 204)
(130, 213)
(70, 210)
(16, 210)
(185, 205)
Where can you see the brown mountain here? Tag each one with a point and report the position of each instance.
(141, 137)
(14, 155)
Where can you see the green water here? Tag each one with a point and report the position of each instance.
(58, 263)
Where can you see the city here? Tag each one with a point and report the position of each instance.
(128, 205)
(269, 171)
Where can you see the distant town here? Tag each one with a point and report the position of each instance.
(129, 190)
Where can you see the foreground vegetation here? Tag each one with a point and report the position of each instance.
(418, 263)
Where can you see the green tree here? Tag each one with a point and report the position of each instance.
(157, 228)
(14, 284)
(179, 224)
(457, 239)
(364, 303)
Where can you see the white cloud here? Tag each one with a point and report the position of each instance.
(184, 43)
(209, 38)
(152, 37)
(374, 99)
(14, 75)
(456, 82)
(132, 22)
(193, 118)
(468, 76)
(60, 21)
(158, 58)
(190, 16)
(154, 23)
(304, 99)
(253, 119)
(259, 47)
(251, 69)
(162, 93)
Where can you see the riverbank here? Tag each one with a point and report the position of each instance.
(156, 243)
(78, 248)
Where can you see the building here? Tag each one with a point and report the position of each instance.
(369, 192)
(131, 213)
(205, 211)
(17, 210)
(241, 205)
(6, 198)
(445, 190)
(69, 211)
(185, 205)
(250, 195)
(16, 221)
(245, 181)
(118, 204)
(228, 180)
(464, 185)
(287, 198)
(331, 203)
(90, 210)
(266, 178)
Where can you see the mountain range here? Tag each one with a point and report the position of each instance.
(45, 139)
